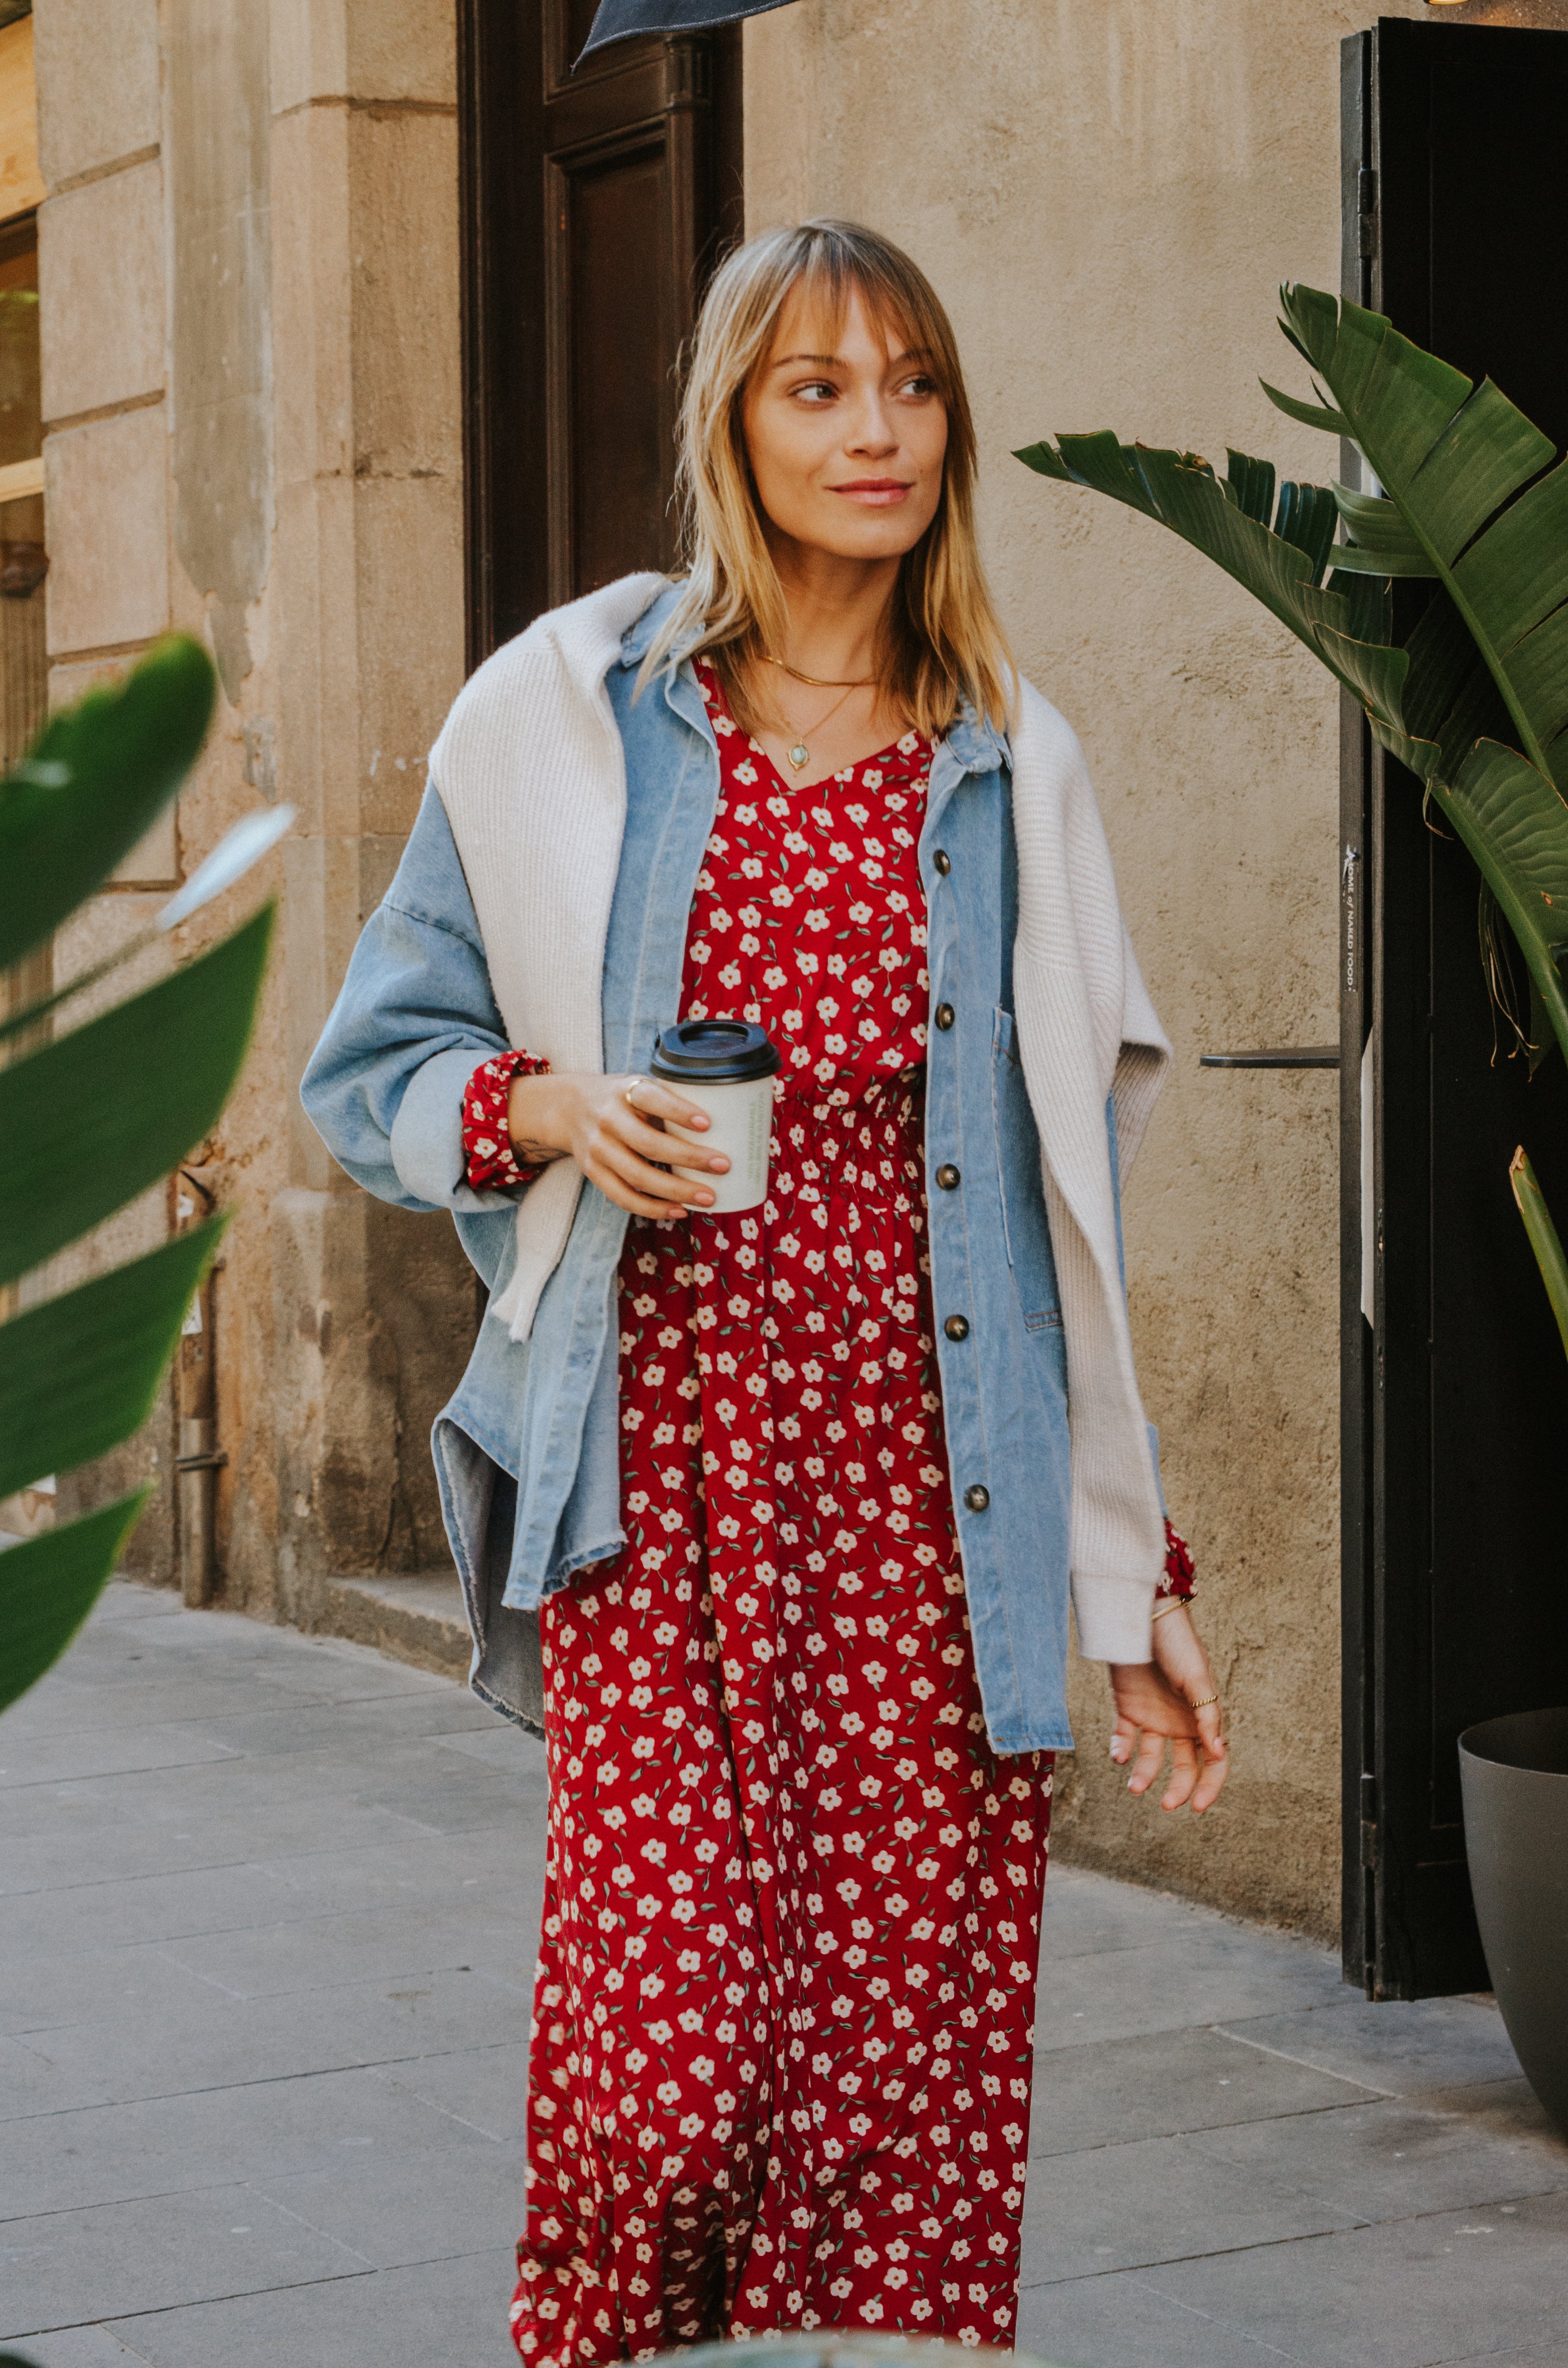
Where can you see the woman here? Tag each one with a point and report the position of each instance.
(794, 1495)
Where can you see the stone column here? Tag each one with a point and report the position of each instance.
(373, 1308)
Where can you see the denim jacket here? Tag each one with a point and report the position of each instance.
(527, 1451)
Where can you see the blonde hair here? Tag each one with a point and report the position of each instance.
(944, 643)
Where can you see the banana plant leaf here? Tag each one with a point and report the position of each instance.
(1516, 826)
(48, 1586)
(1476, 701)
(154, 1073)
(80, 1372)
(93, 784)
(1548, 1249)
(1462, 467)
(1281, 563)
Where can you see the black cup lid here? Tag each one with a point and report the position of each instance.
(713, 1052)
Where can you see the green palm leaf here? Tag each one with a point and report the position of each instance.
(1543, 1238)
(94, 783)
(79, 1373)
(48, 1586)
(147, 1106)
(1450, 456)
(1282, 564)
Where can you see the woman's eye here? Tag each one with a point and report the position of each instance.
(919, 385)
(817, 390)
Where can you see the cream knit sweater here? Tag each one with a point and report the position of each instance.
(530, 770)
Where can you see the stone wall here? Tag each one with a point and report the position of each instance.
(250, 317)
(1107, 198)
(248, 256)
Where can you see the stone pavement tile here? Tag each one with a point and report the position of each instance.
(28, 2083)
(500, 1745)
(61, 2269)
(1156, 2199)
(228, 2042)
(396, 2209)
(1390, 2161)
(427, 1789)
(340, 1726)
(44, 1993)
(416, 1870)
(265, 2129)
(394, 1944)
(486, 2087)
(1108, 2091)
(1200, 1970)
(178, 1697)
(124, 1599)
(82, 2347)
(440, 1791)
(188, 1686)
(1546, 2354)
(1406, 2048)
(144, 1908)
(1118, 2322)
(439, 2315)
(94, 1751)
(166, 1841)
(1090, 1912)
(1406, 2294)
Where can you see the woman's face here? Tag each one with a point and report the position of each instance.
(845, 435)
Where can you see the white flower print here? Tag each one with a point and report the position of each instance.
(739, 2073)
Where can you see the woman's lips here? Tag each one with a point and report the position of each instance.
(873, 493)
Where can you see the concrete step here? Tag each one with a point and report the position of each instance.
(414, 1616)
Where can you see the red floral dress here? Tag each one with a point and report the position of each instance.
(783, 2012)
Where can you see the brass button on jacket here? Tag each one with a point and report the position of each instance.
(943, 861)
(948, 1177)
(957, 1328)
(943, 1014)
(977, 1499)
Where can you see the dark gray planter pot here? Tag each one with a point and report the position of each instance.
(1515, 1772)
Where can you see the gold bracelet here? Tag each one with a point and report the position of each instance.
(1175, 1603)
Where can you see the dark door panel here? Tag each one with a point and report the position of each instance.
(1456, 1396)
(594, 206)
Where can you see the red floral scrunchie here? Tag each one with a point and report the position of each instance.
(490, 1164)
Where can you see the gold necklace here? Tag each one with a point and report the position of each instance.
(821, 681)
(800, 756)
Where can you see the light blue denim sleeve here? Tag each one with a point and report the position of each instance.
(383, 1089)
(1121, 1260)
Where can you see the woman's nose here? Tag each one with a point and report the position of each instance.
(871, 430)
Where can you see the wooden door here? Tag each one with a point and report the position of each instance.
(1455, 1392)
(594, 206)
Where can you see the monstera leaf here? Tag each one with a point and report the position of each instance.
(79, 1371)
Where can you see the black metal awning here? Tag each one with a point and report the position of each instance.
(622, 20)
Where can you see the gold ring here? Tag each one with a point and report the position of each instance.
(1204, 1704)
(626, 1097)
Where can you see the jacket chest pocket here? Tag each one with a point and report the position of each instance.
(1023, 1199)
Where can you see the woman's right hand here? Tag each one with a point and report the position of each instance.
(618, 1146)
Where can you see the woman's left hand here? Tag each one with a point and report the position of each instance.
(1155, 1706)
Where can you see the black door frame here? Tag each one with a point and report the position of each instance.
(1455, 1396)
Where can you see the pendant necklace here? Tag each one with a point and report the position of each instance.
(800, 756)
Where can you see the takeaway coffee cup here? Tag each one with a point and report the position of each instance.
(726, 1067)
